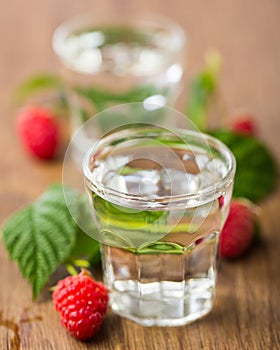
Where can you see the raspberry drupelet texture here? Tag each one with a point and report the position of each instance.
(82, 303)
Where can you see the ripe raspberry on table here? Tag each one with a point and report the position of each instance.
(38, 131)
(238, 230)
(82, 303)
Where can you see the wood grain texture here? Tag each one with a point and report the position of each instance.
(247, 309)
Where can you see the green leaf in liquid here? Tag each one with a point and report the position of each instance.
(119, 34)
(161, 247)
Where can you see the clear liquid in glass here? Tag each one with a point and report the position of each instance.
(159, 261)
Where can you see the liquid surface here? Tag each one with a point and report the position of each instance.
(154, 169)
(119, 50)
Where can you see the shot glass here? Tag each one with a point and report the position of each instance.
(110, 61)
(160, 198)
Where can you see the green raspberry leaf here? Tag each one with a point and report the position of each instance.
(203, 91)
(256, 173)
(37, 83)
(41, 236)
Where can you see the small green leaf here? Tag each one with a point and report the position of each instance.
(202, 90)
(39, 82)
(257, 172)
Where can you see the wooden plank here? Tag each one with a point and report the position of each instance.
(247, 309)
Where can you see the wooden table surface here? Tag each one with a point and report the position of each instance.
(247, 309)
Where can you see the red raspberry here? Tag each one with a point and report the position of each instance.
(238, 231)
(244, 125)
(38, 132)
(82, 303)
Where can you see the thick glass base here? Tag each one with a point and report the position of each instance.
(163, 303)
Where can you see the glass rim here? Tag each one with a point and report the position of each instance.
(200, 197)
(68, 26)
